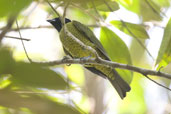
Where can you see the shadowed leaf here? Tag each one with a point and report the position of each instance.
(137, 30)
(113, 5)
(36, 76)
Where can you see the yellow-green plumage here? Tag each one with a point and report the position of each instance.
(75, 50)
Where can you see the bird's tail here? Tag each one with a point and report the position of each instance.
(120, 85)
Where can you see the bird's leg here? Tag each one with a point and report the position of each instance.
(85, 58)
(66, 58)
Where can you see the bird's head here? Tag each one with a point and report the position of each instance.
(56, 22)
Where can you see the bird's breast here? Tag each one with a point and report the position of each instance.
(75, 48)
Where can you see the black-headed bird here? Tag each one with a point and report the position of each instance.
(75, 50)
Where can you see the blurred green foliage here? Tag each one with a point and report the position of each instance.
(12, 7)
(19, 76)
(30, 76)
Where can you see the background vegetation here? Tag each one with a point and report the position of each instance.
(134, 32)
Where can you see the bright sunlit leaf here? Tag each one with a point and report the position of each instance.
(165, 47)
(117, 51)
(4, 81)
(75, 74)
(126, 2)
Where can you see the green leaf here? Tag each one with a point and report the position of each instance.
(162, 3)
(12, 7)
(117, 51)
(4, 81)
(35, 103)
(112, 4)
(35, 76)
(165, 47)
(137, 30)
(131, 5)
(150, 10)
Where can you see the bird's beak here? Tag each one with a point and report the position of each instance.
(50, 20)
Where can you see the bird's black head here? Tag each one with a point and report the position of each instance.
(56, 22)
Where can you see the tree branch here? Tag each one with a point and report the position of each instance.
(7, 27)
(111, 64)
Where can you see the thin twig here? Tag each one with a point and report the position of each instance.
(53, 8)
(23, 42)
(25, 28)
(157, 83)
(94, 6)
(12, 37)
(64, 14)
(44, 26)
(60, 4)
(86, 12)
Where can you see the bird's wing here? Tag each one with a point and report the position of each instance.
(87, 32)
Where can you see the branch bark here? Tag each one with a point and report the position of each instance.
(7, 27)
(111, 64)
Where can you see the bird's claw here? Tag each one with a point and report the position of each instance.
(66, 58)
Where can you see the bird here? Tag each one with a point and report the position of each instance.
(75, 50)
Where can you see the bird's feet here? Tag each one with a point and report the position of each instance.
(66, 58)
(85, 58)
